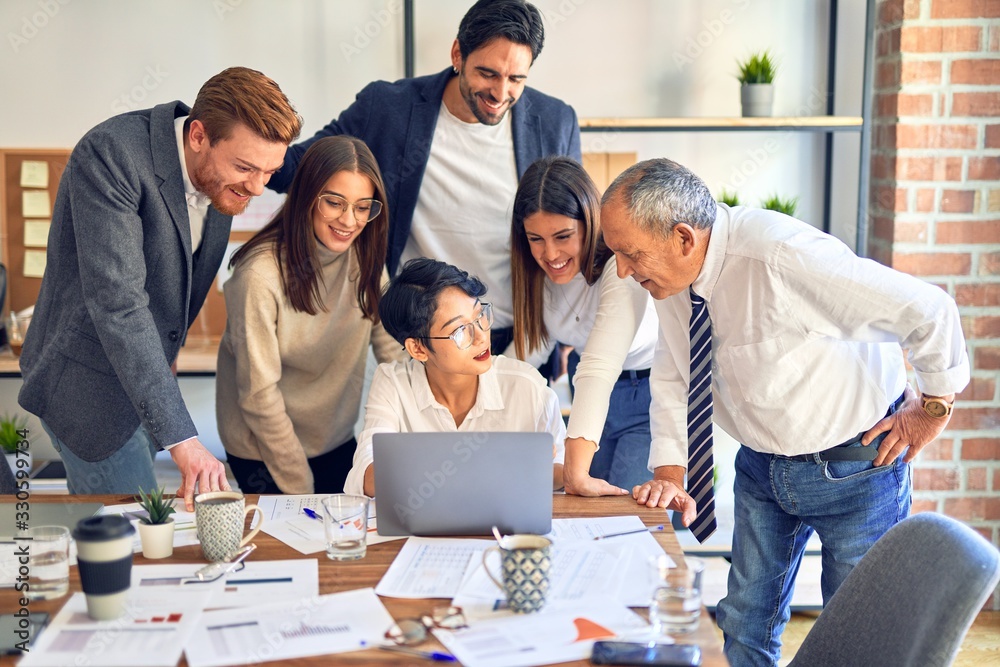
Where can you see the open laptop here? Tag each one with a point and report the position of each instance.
(44, 514)
(463, 483)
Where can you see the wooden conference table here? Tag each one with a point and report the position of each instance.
(337, 577)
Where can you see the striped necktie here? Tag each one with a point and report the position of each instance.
(700, 465)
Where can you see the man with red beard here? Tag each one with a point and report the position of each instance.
(451, 154)
(139, 228)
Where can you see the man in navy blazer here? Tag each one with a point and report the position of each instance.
(140, 226)
(451, 155)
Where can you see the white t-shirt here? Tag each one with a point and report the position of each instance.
(512, 397)
(463, 211)
(613, 326)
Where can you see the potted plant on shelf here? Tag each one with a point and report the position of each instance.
(776, 203)
(757, 84)
(728, 198)
(157, 530)
(13, 431)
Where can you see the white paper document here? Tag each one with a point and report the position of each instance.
(36, 233)
(430, 567)
(152, 631)
(35, 204)
(34, 174)
(272, 580)
(560, 632)
(312, 626)
(635, 585)
(285, 520)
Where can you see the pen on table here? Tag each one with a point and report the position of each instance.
(650, 529)
(312, 514)
(436, 656)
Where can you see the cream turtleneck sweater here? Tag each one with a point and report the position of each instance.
(288, 384)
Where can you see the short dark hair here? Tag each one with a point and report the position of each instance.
(409, 302)
(515, 20)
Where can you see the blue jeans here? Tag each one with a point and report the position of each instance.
(779, 503)
(124, 472)
(623, 458)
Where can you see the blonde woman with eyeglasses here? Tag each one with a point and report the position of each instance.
(452, 382)
(302, 308)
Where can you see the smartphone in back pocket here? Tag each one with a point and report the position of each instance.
(634, 653)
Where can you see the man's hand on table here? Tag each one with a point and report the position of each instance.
(666, 490)
(199, 470)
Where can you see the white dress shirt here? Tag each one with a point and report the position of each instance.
(806, 339)
(463, 210)
(197, 202)
(512, 397)
(612, 324)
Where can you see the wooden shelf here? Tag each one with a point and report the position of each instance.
(196, 358)
(736, 124)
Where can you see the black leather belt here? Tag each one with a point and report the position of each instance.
(844, 451)
(638, 375)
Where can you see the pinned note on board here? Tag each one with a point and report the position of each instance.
(34, 263)
(34, 174)
(36, 233)
(35, 204)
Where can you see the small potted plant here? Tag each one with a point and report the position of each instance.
(776, 203)
(757, 84)
(728, 198)
(157, 529)
(12, 433)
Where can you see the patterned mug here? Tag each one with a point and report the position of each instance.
(220, 516)
(525, 561)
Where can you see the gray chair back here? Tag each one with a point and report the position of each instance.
(909, 601)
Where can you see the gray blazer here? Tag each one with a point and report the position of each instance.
(120, 289)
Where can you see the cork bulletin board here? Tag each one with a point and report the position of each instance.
(30, 178)
(24, 244)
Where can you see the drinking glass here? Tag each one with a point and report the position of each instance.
(675, 607)
(48, 562)
(345, 520)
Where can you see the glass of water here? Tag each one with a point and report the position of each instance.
(675, 607)
(48, 562)
(345, 520)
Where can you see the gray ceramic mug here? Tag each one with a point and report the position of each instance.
(220, 516)
(525, 561)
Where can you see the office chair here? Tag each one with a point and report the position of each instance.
(909, 601)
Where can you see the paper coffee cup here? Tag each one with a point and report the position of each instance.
(104, 558)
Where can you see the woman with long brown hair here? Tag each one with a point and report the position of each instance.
(566, 290)
(302, 308)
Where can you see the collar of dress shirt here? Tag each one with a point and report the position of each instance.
(189, 190)
(487, 398)
(715, 256)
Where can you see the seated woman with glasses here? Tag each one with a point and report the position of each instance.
(451, 382)
(566, 289)
(302, 308)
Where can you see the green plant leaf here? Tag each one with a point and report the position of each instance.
(728, 198)
(776, 203)
(760, 67)
(9, 427)
(159, 510)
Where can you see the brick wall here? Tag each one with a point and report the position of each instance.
(935, 207)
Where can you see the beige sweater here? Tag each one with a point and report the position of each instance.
(288, 385)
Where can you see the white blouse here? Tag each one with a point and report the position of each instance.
(512, 396)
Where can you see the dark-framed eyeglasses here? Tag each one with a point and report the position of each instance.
(410, 631)
(465, 334)
(332, 207)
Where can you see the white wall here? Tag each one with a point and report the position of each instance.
(68, 64)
